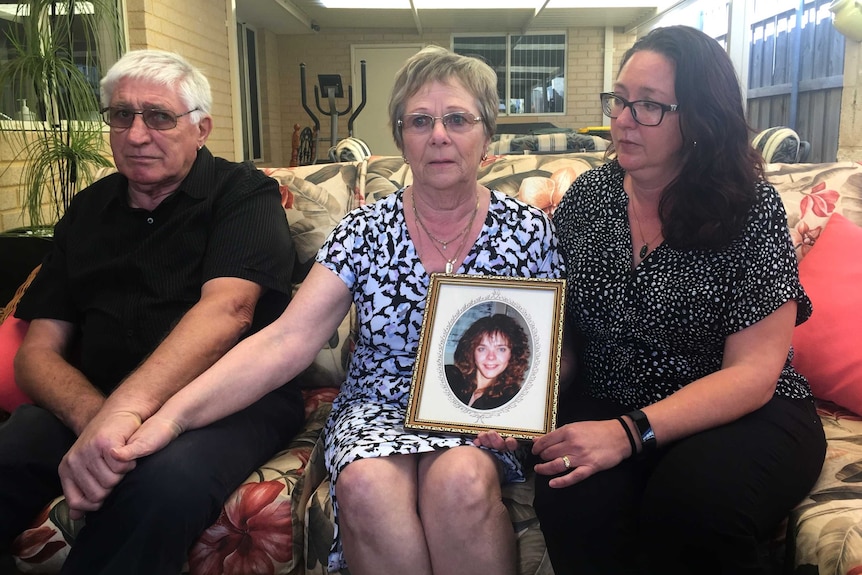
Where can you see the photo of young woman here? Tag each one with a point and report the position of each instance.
(490, 362)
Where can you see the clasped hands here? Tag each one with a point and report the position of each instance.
(105, 452)
(572, 452)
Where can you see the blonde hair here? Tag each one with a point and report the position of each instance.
(436, 64)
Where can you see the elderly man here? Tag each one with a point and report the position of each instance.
(155, 273)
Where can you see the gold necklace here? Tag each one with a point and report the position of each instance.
(645, 247)
(450, 263)
(432, 236)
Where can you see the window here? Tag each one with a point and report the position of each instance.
(249, 93)
(86, 33)
(531, 69)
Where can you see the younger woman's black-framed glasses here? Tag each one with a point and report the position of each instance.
(644, 112)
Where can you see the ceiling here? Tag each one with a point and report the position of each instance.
(309, 16)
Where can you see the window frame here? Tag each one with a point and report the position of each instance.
(507, 75)
(105, 61)
(251, 113)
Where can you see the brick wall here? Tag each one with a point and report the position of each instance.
(10, 204)
(198, 30)
(331, 51)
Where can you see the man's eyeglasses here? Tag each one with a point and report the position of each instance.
(644, 112)
(455, 122)
(154, 118)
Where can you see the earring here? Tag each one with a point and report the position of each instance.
(694, 144)
(405, 160)
(484, 156)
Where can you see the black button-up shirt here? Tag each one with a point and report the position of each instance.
(126, 276)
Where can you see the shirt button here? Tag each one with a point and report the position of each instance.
(150, 220)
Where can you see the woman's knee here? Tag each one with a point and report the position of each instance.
(462, 480)
(366, 485)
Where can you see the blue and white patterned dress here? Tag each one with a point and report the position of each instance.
(372, 252)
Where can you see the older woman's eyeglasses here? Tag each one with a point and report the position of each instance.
(154, 118)
(644, 112)
(455, 122)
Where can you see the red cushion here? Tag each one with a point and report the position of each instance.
(12, 332)
(828, 346)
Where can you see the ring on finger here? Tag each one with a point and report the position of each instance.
(566, 462)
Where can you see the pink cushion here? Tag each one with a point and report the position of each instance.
(11, 335)
(829, 345)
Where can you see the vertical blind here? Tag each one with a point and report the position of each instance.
(531, 69)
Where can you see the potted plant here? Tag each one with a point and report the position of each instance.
(52, 55)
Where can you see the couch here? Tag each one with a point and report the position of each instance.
(280, 520)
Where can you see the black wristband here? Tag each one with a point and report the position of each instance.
(629, 434)
(648, 441)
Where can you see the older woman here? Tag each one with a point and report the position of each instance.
(405, 502)
(693, 435)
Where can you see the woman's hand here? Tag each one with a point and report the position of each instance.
(583, 447)
(494, 440)
(153, 435)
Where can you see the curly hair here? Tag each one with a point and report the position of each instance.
(508, 382)
(707, 205)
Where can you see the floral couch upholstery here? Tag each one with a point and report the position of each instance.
(280, 520)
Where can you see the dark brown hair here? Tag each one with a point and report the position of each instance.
(707, 205)
(508, 382)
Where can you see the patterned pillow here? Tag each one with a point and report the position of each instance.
(823, 534)
(811, 193)
(537, 180)
(315, 198)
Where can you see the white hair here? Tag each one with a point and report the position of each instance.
(165, 68)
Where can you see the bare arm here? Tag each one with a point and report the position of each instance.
(753, 359)
(204, 334)
(88, 472)
(257, 365)
(43, 372)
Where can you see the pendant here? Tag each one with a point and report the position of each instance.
(449, 266)
(643, 251)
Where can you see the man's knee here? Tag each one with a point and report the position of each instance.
(171, 480)
(32, 443)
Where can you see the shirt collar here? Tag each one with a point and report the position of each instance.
(201, 177)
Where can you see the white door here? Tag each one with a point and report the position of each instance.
(381, 64)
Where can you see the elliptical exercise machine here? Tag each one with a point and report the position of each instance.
(330, 85)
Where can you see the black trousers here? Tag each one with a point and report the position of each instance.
(159, 509)
(706, 504)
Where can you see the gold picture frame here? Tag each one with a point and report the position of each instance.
(461, 387)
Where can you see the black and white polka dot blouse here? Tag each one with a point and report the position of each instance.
(654, 329)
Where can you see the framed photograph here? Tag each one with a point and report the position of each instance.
(489, 356)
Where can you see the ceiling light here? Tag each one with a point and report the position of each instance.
(368, 4)
(432, 4)
(476, 4)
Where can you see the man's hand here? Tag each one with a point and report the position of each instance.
(89, 471)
